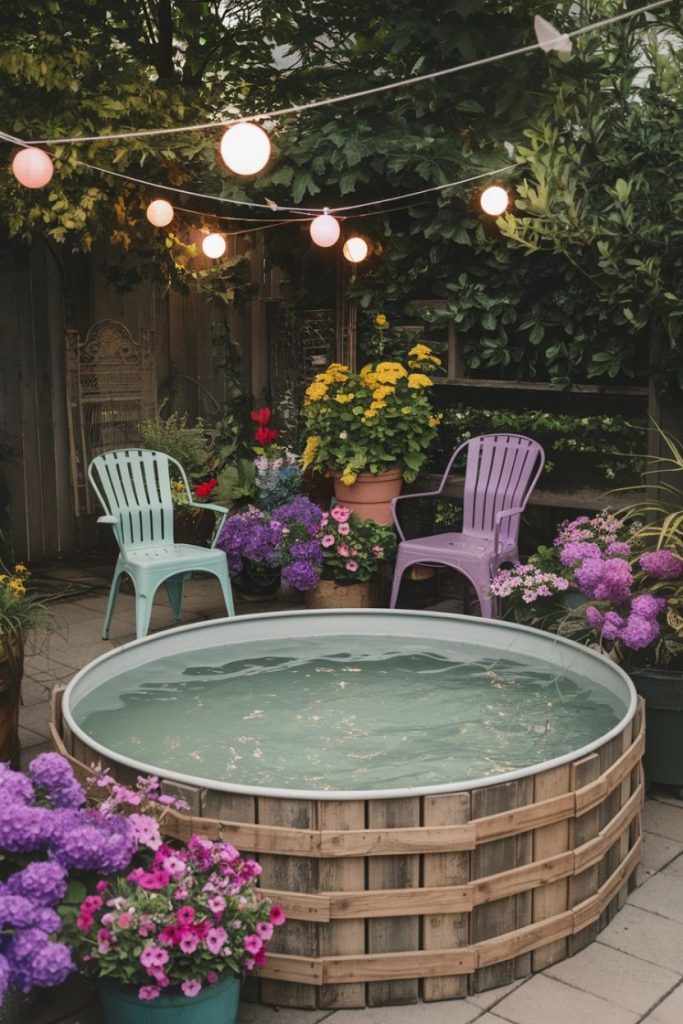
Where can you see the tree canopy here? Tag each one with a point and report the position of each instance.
(570, 284)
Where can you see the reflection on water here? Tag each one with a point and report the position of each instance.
(396, 715)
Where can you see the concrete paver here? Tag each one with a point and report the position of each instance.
(634, 972)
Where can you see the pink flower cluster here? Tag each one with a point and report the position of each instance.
(352, 547)
(527, 582)
(183, 919)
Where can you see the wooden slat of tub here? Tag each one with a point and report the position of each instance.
(550, 899)
(342, 937)
(443, 930)
(625, 791)
(513, 912)
(582, 830)
(609, 754)
(234, 807)
(393, 934)
(298, 874)
(637, 785)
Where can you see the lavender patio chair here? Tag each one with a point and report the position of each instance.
(501, 472)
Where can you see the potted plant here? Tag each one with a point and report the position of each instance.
(265, 546)
(175, 934)
(354, 551)
(49, 842)
(21, 612)
(627, 582)
(371, 429)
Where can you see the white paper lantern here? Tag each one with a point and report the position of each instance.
(160, 213)
(325, 230)
(494, 200)
(214, 246)
(245, 148)
(32, 167)
(355, 249)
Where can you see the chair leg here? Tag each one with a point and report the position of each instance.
(224, 580)
(174, 589)
(111, 602)
(143, 613)
(396, 584)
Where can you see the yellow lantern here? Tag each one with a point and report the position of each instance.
(355, 249)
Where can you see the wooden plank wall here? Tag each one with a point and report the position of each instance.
(44, 290)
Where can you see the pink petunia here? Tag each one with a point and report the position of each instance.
(124, 920)
(343, 529)
(217, 905)
(191, 987)
(252, 943)
(264, 930)
(154, 956)
(277, 915)
(328, 540)
(215, 940)
(340, 513)
(186, 915)
(352, 566)
(149, 992)
(189, 942)
(211, 977)
(343, 550)
(175, 866)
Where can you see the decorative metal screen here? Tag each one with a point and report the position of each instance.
(111, 388)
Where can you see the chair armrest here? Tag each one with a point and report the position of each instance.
(405, 497)
(220, 509)
(500, 516)
(109, 520)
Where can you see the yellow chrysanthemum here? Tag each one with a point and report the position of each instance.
(3, 577)
(381, 320)
(17, 587)
(348, 477)
(343, 397)
(310, 450)
(383, 391)
(20, 569)
(420, 351)
(316, 391)
(369, 413)
(435, 420)
(377, 405)
(419, 380)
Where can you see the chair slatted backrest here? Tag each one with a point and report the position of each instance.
(502, 470)
(135, 485)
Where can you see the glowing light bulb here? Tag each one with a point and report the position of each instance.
(214, 246)
(160, 213)
(355, 249)
(245, 148)
(494, 200)
(32, 167)
(325, 230)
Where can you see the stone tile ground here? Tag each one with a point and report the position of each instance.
(633, 973)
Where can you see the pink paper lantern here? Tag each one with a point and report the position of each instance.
(325, 230)
(160, 213)
(32, 167)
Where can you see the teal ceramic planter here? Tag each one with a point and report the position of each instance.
(662, 690)
(215, 1004)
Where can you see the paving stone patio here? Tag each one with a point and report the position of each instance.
(632, 973)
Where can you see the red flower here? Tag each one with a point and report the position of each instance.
(264, 435)
(261, 416)
(203, 491)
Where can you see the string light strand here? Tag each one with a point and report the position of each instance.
(360, 94)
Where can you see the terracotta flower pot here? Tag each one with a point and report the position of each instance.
(370, 496)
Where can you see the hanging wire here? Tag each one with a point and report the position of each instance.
(360, 94)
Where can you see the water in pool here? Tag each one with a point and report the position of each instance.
(316, 714)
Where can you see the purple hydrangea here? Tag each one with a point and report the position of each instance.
(663, 565)
(594, 617)
(23, 829)
(620, 548)
(301, 575)
(4, 976)
(44, 881)
(605, 580)
(612, 626)
(301, 510)
(34, 960)
(14, 786)
(90, 842)
(53, 774)
(578, 551)
(639, 632)
(647, 606)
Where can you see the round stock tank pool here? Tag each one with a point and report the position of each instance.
(441, 803)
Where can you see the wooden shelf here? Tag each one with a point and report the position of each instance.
(530, 385)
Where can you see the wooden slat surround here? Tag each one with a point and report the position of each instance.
(440, 930)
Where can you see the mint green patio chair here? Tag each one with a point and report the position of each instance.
(134, 488)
